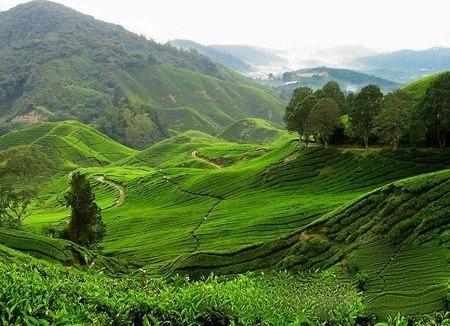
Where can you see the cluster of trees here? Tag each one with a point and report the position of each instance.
(132, 125)
(329, 113)
(315, 113)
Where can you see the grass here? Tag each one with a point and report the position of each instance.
(229, 208)
(228, 195)
(417, 88)
(251, 130)
(36, 292)
(395, 238)
(69, 144)
(212, 103)
(57, 251)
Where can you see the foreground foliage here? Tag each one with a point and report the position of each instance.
(35, 292)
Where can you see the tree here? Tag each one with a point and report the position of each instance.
(14, 207)
(25, 169)
(434, 109)
(86, 226)
(395, 117)
(324, 119)
(365, 108)
(292, 116)
(333, 91)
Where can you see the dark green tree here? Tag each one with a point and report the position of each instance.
(366, 107)
(333, 91)
(395, 118)
(86, 226)
(434, 110)
(324, 119)
(293, 114)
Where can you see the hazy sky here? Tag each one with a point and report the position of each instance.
(380, 24)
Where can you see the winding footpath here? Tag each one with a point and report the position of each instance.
(120, 189)
(194, 153)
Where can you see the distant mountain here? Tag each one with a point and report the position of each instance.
(317, 77)
(405, 65)
(73, 66)
(216, 55)
(254, 56)
(309, 57)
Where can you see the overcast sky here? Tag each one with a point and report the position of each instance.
(379, 24)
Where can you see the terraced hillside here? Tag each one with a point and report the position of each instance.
(251, 130)
(229, 207)
(417, 88)
(394, 240)
(69, 144)
(71, 65)
(194, 192)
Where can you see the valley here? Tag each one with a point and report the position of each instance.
(149, 183)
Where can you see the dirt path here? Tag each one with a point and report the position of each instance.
(195, 154)
(121, 190)
(217, 201)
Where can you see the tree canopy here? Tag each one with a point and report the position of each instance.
(86, 226)
(434, 110)
(366, 107)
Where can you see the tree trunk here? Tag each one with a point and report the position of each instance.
(442, 143)
(366, 141)
(326, 143)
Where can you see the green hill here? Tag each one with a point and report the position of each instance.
(194, 149)
(60, 252)
(417, 88)
(76, 67)
(190, 196)
(69, 144)
(350, 80)
(395, 239)
(250, 130)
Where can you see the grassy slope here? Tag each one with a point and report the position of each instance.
(213, 202)
(218, 101)
(417, 88)
(69, 144)
(36, 292)
(397, 237)
(230, 195)
(250, 130)
(56, 251)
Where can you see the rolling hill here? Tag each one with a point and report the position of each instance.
(195, 203)
(395, 237)
(197, 192)
(315, 78)
(76, 67)
(418, 87)
(251, 130)
(69, 144)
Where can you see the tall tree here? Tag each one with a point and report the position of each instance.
(324, 119)
(366, 107)
(293, 114)
(395, 117)
(86, 226)
(434, 110)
